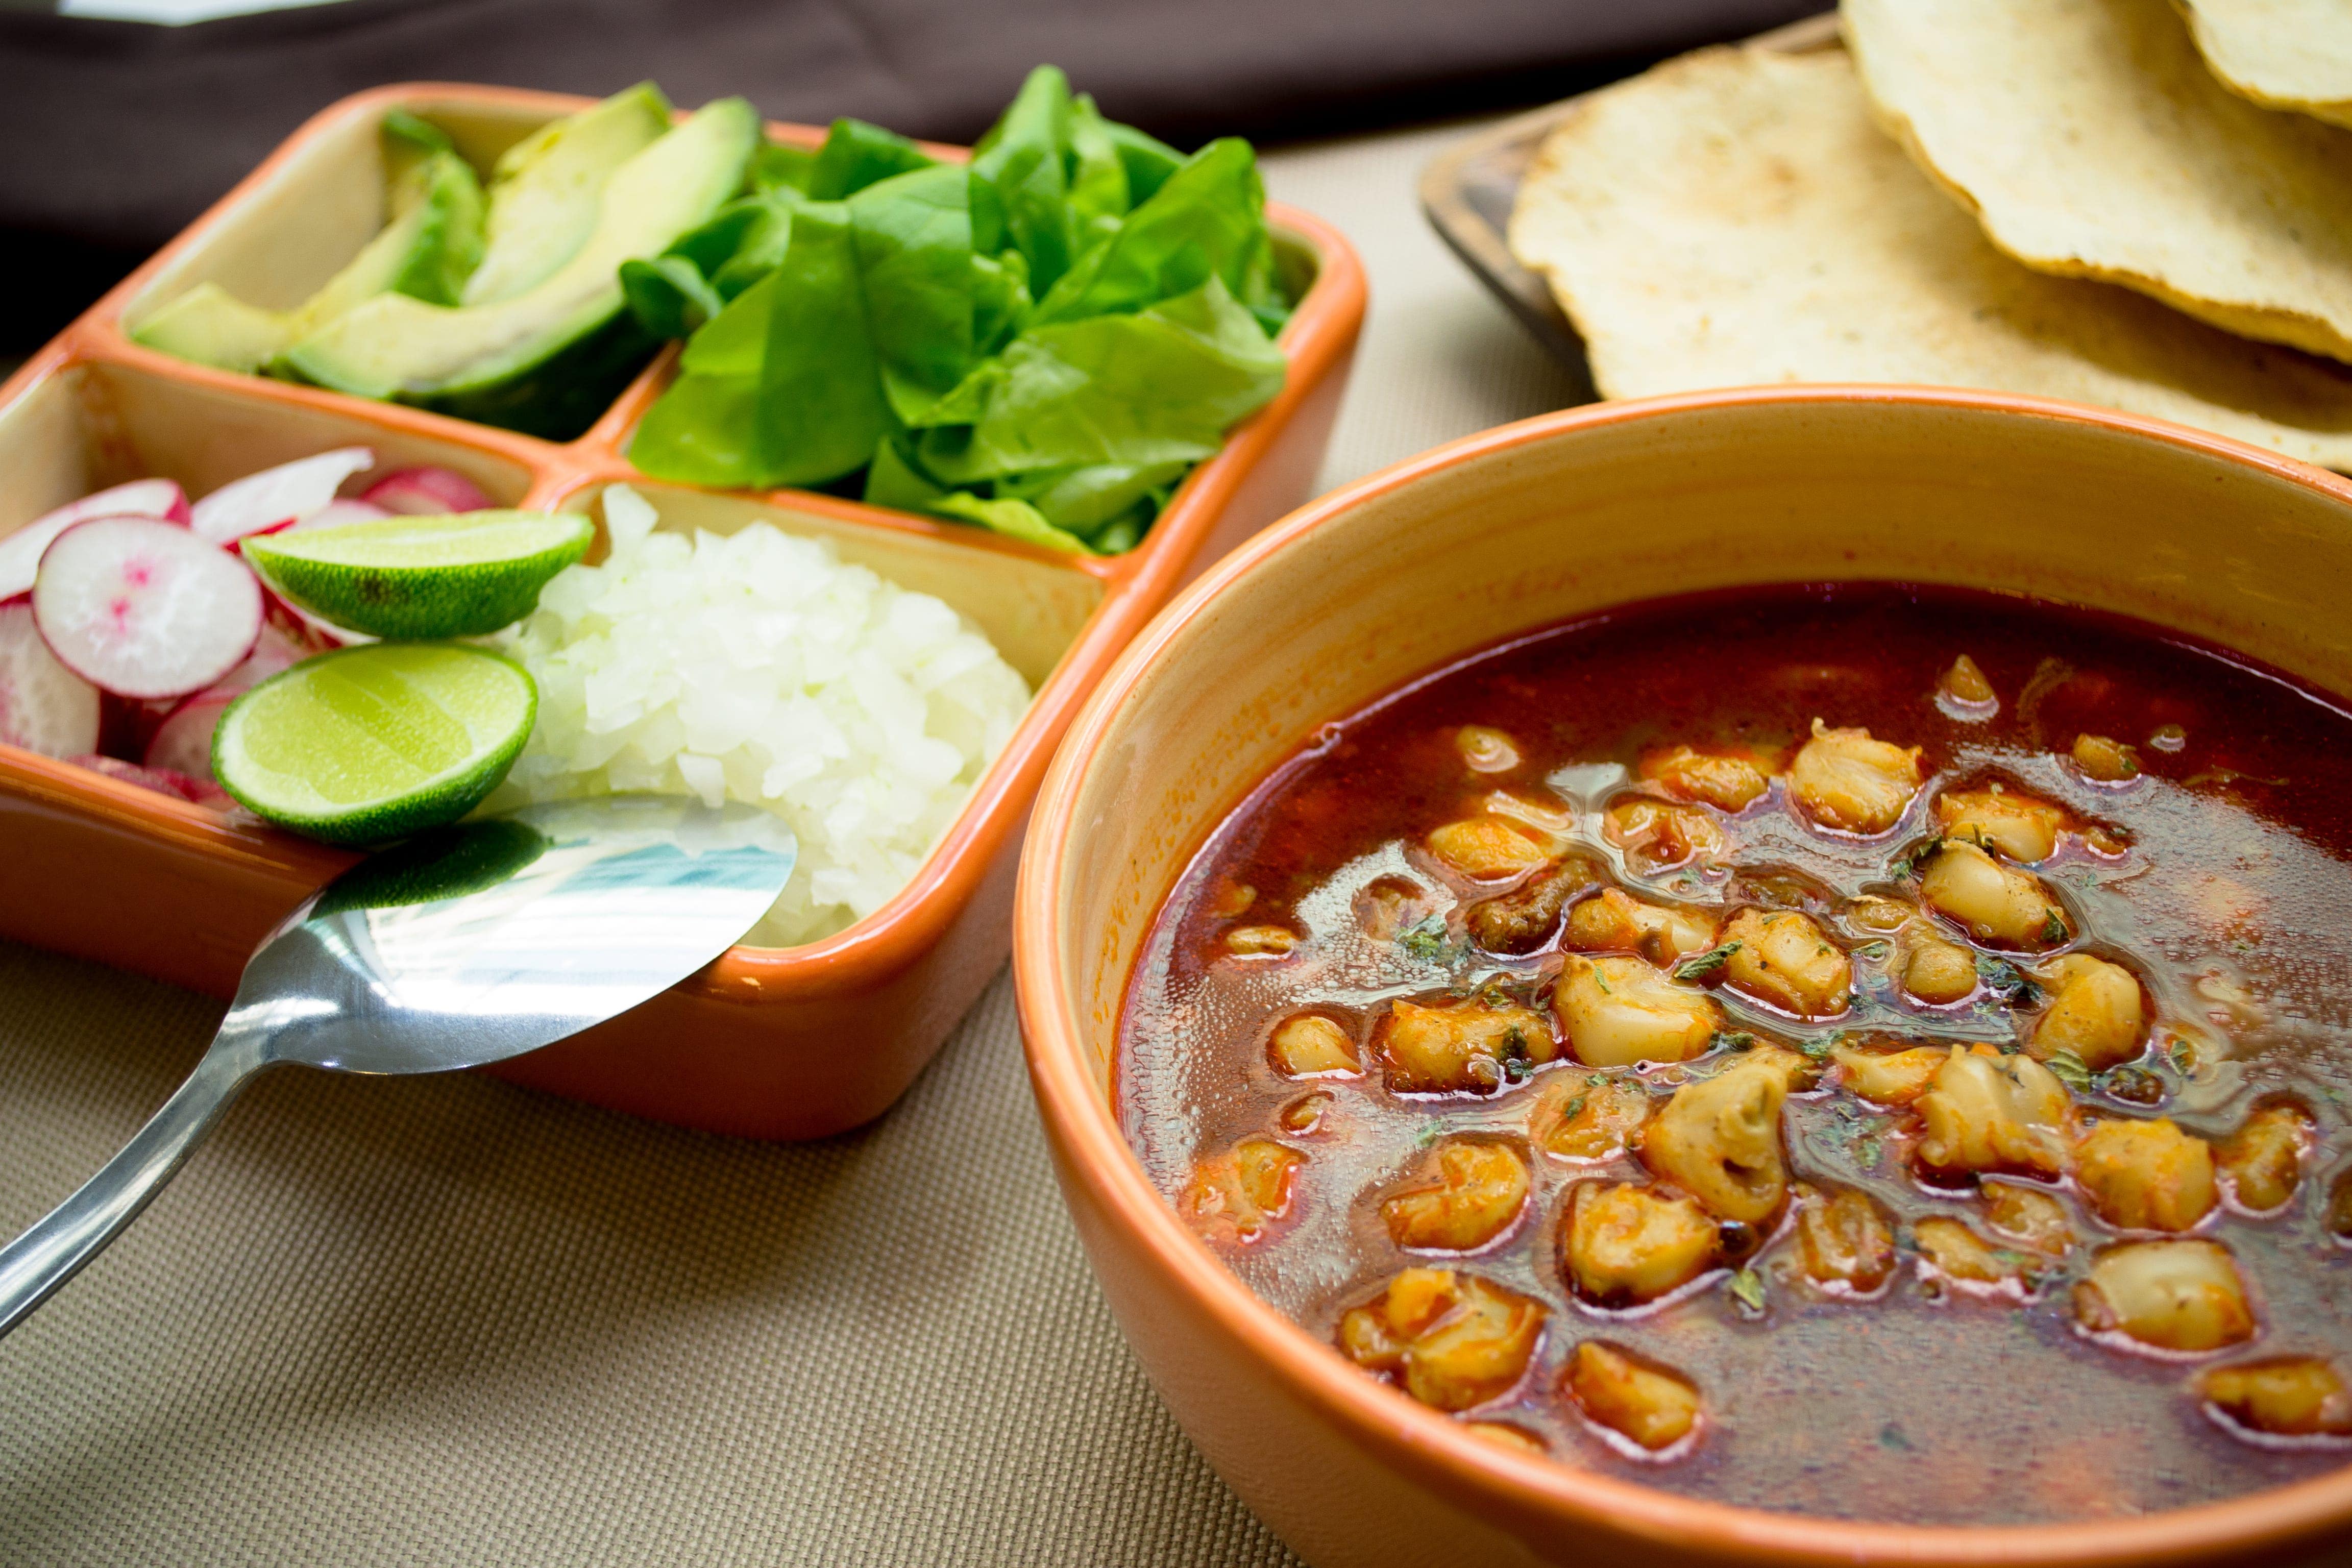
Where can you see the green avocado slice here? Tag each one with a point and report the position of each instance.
(427, 249)
(212, 326)
(544, 193)
(394, 346)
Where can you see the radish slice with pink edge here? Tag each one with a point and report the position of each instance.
(287, 493)
(44, 706)
(334, 514)
(163, 781)
(183, 743)
(305, 629)
(283, 614)
(337, 512)
(144, 609)
(20, 552)
(426, 492)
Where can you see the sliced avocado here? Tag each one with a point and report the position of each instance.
(432, 241)
(544, 190)
(212, 326)
(393, 346)
(441, 194)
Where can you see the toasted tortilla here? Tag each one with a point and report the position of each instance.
(2092, 141)
(1736, 218)
(2284, 54)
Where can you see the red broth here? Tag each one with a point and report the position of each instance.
(2215, 877)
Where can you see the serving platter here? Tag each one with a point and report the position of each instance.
(774, 1043)
(1468, 190)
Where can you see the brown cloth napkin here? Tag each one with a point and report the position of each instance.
(117, 133)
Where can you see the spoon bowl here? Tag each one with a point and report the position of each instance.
(462, 946)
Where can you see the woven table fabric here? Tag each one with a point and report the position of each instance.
(447, 1320)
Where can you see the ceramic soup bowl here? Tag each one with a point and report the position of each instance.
(1511, 531)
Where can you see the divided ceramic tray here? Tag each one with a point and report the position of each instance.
(776, 1043)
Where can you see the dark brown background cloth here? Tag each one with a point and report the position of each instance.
(114, 135)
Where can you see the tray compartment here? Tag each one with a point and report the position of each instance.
(292, 224)
(756, 1045)
(1032, 603)
(93, 424)
(309, 208)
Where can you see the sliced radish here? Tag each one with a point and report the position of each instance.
(426, 492)
(163, 781)
(272, 652)
(44, 706)
(124, 723)
(183, 743)
(333, 514)
(287, 493)
(144, 609)
(302, 628)
(141, 497)
(313, 634)
(337, 512)
(20, 552)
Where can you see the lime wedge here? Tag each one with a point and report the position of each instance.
(421, 577)
(368, 744)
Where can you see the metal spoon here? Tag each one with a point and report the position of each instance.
(459, 947)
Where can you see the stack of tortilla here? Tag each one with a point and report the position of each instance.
(2111, 201)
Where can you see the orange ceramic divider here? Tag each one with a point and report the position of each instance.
(772, 1043)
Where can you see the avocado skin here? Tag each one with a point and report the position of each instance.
(558, 398)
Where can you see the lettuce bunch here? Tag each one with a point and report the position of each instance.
(1042, 341)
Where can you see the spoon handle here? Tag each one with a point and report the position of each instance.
(54, 1250)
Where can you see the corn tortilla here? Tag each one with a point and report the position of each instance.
(2286, 54)
(2092, 141)
(1736, 218)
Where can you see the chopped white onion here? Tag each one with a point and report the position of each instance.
(757, 667)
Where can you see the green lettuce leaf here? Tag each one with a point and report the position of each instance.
(893, 481)
(1160, 386)
(1147, 159)
(672, 294)
(703, 429)
(1208, 220)
(782, 387)
(1013, 519)
(1128, 532)
(1098, 190)
(668, 295)
(776, 166)
(913, 236)
(855, 155)
(1022, 157)
(1088, 500)
(1000, 298)
(1042, 343)
(760, 243)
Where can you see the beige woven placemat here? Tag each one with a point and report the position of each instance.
(448, 1320)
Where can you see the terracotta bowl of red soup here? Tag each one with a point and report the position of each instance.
(1758, 978)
